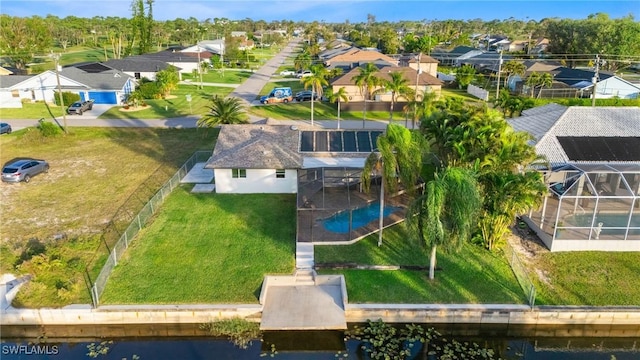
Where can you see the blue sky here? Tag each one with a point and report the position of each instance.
(331, 10)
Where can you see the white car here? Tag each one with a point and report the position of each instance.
(304, 74)
(287, 73)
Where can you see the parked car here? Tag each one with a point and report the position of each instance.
(79, 107)
(5, 128)
(287, 73)
(306, 95)
(23, 170)
(278, 95)
(305, 73)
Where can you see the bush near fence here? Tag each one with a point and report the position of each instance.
(130, 219)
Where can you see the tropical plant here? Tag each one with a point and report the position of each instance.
(339, 96)
(446, 212)
(223, 111)
(302, 61)
(465, 75)
(546, 81)
(399, 88)
(239, 331)
(513, 67)
(316, 81)
(398, 159)
(367, 80)
(168, 79)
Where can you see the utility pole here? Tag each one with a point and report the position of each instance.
(199, 67)
(415, 106)
(499, 71)
(56, 58)
(594, 81)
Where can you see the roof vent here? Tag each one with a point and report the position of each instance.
(294, 127)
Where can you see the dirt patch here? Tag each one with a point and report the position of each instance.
(529, 248)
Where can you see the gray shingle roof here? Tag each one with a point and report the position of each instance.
(256, 147)
(8, 81)
(548, 122)
(137, 64)
(107, 80)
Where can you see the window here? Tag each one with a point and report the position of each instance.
(238, 173)
(280, 174)
(137, 75)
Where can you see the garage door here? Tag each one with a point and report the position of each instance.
(103, 97)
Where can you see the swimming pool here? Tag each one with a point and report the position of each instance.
(339, 223)
(607, 220)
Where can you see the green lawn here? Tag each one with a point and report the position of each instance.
(94, 172)
(472, 275)
(587, 278)
(207, 248)
(175, 105)
(33, 111)
(218, 76)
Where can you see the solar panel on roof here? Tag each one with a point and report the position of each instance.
(322, 142)
(579, 148)
(364, 141)
(349, 141)
(306, 141)
(335, 141)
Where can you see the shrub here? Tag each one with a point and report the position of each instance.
(150, 90)
(67, 97)
(48, 129)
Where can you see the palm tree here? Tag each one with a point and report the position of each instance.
(367, 81)
(398, 159)
(223, 111)
(513, 67)
(546, 80)
(465, 75)
(316, 81)
(532, 81)
(446, 212)
(422, 105)
(338, 96)
(302, 61)
(398, 85)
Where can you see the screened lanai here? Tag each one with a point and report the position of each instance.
(591, 207)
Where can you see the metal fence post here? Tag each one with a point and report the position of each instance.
(115, 257)
(96, 301)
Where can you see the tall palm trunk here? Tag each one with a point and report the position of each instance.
(432, 263)
(338, 114)
(364, 112)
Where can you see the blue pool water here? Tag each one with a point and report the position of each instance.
(339, 223)
(608, 220)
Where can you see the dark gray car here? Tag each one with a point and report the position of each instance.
(5, 128)
(23, 170)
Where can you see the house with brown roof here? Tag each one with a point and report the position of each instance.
(420, 61)
(424, 81)
(355, 57)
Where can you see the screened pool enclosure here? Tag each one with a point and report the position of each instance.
(591, 207)
(333, 208)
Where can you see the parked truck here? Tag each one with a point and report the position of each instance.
(278, 95)
(79, 107)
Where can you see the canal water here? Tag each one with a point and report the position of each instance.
(313, 345)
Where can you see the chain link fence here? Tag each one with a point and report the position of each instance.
(520, 271)
(130, 218)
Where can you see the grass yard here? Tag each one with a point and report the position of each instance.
(471, 276)
(175, 106)
(231, 76)
(33, 111)
(94, 171)
(207, 248)
(587, 278)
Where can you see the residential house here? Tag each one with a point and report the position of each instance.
(453, 57)
(427, 63)
(423, 81)
(355, 57)
(138, 67)
(186, 62)
(594, 180)
(569, 82)
(4, 71)
(213, 46)
(322, 167)
(90, 81)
